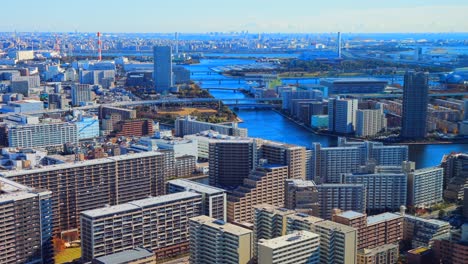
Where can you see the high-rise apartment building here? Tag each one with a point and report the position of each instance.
(385, 188)
(369, 122)
(81, 94)
(163, 79)
(338, 242)
(215, 241)
(91, 184)
(455, 175)
(285, 154)
(415, 100)
(421, 232)
(299, 247)
(214, 200)
(450, 248)
(25, 224)
(157, 223)
(342, 115)
(425, 186)
(301, 196)
(264, 185)
(42, 135)
(188, 126)
(373, 231)
(329, 163)
(341, 196)
(134, 128)
(230, 160)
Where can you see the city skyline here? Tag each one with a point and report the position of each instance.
(297, 16)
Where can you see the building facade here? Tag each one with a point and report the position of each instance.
(338, 242)
(157, 223)
(285, 154)
(215, 241)
(384, 191)
(265, 184)
(163, 79)
(302, 196)
(25, 224)
(342, 196)
(301, 247)
(342, 115)
(81, 94)
(425, 186)
(369, 122)
(415, 101)
(386, 254)
(91, 184)
(42, 135)
(214, 200)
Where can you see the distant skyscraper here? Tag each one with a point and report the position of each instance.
(415, 100)
(339, 45)
(342, 115)
(80, 94)
(162, 68)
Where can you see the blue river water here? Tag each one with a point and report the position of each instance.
(270, 125)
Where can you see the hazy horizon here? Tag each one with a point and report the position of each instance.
(185, 16)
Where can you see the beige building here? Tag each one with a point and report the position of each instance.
(264, 185)
(385, 254)
(285, 154)
(369, 122)
(215, 241)
(299, 247)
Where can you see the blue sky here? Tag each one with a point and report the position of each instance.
(235, 15)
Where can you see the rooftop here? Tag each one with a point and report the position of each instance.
(353, 80)
(429, 221)
(212, 136)
(380, 249)
(381, 218)
(336, 226)
(351, 214)
(427, 169)
(111, 210)
(301, 183)
(198, 187)
(125, 256)
(139, 204)
(274, 209)
(418, 251)
(288, 240)
(221, 225)
(165, 199)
